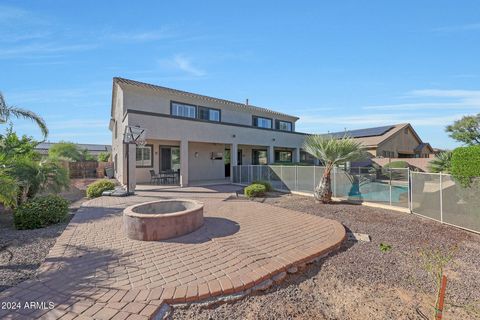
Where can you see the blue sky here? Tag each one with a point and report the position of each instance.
(336, 64)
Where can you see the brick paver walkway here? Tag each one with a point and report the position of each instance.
(95, 272)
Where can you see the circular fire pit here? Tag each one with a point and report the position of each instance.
(164, 219)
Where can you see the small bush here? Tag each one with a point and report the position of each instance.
(396, 165)
(40, 212)
(465, 164)
(96, 189)
(268, 186)
(254, 190)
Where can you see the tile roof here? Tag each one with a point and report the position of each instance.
(241, 106)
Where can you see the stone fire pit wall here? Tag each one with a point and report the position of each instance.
(164, 219)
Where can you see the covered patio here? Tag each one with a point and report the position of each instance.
(192, 163)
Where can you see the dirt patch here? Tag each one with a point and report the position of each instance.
(360, 281)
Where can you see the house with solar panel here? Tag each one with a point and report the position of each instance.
(394, 141)
(190, 138)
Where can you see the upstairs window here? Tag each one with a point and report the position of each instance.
(262, 122)
(284, 125)
(183, 110)
(208, 114)
(144, 156)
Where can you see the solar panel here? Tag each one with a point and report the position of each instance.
(361, 133)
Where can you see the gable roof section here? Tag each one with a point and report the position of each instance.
(420, 147)
(372, 137)
(362, 133)
(239, 106)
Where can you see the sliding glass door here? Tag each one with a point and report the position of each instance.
(169, 158)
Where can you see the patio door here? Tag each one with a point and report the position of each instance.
(169, 158)
(165, 159)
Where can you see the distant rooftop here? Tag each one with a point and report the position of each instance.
(362, 133)
(45, 146)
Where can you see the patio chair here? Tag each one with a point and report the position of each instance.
(154, 178)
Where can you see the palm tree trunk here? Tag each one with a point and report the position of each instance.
(323, 192)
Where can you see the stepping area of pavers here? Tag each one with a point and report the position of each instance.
(95, 272)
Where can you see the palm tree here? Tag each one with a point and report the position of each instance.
(441, 162)
(7, 111)
(331, 151)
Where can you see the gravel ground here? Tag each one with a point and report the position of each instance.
(360, 281)
(22, 251)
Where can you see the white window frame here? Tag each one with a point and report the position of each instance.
(144, 162)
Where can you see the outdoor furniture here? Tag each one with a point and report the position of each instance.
(169, 176)
(154, 178)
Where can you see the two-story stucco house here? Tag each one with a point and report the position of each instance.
(198, 136)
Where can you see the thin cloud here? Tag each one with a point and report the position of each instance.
(376, 120)
(143, 36)
(40, 48)
(458, 28)
(184, 64)
(9, 14)
(443, 100)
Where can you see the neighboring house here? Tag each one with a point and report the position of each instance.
(93, 149)
(395, 141)
(198, 135)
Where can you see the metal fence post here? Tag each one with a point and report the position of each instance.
(281, 176)
(296, 178)
(441, 198)
(390, 184)
(335, 182)
(409, 198)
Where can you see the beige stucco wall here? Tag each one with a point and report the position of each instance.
(118, 148)
(400, 142)
(196, 131)
(155, 101)
(202, 167)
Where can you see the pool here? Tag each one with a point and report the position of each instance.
(372, 191)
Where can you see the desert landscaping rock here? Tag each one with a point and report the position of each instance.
(360, 281)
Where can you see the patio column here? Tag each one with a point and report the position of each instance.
(183, 163)
(296, 155)
(270, 155)
(132, 166)
(233, 159)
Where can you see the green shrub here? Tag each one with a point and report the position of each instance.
(396, 165)
(267, 185)
(40, 212)
(465, 164)
(96, 189)
(103, 156)
(255, 190)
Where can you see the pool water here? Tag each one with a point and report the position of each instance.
(373, 191)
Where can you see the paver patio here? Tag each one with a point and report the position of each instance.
(95, 272)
